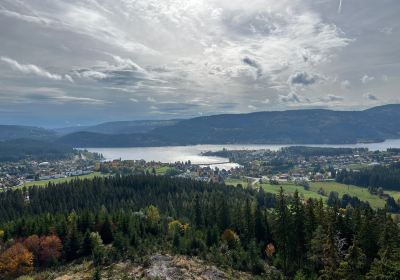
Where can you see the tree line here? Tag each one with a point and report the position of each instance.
(387, 177)
(129, 217)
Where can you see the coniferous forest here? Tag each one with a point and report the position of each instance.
(128, 217)
(387, 177)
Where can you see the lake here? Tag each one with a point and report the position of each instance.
(193, 153)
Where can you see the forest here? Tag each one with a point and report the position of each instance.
(128, 217)
(387, 177)
(21, 149)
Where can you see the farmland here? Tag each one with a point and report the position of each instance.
(44, 183)
(316, 188)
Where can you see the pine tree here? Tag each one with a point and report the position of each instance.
(282, 230)
(354, 263)
(298, 241)
(106, 231)
(330, 257)
(199, 219)
(249, 222)
(260, 227)
(316, 253)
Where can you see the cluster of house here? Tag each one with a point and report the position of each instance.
(205, 174)
(296, 167)
(18, 173)
(8, 181)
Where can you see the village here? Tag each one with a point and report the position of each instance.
(14, 174)
(293, 164)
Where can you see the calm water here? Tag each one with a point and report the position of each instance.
(193, 153)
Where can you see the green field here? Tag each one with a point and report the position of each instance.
(394, 194)
(234, 182)
(44, 183)
(162, 170)
(341, 189)
(290, 188)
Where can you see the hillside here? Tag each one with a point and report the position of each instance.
(10, 132)
(119, 127)
(91, 139)
(314, 126)
(19, 149)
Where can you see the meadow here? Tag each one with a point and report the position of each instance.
(319, 190)
(43, 183)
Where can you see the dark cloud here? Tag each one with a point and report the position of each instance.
(303, 78)
(370, 96)
(253, 63)
(332, 98)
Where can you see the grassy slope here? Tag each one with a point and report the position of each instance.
(361, 193)
(235, 182)
(62, 180)
(290, 189)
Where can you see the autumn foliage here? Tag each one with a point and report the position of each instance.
(16, 261)
(50, 249)
(270, 250)
(32, 243)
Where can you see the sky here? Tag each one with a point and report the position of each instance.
(69, 62)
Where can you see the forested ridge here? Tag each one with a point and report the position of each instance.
(21, 149)
(121, 217)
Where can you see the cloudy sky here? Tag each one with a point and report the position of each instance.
(82, 62)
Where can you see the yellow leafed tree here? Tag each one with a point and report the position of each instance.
(16, 261)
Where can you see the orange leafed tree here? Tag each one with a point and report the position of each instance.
(32, 243)
(50, 249)
(16, 261)
(270, 250)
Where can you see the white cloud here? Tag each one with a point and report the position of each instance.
(252, 107)
(345, 84)
(387, 30)
(213, 51)
(134, 100)
(90, 74)
(28, 18)
(366, 79)
(33, 69)
(290, 98)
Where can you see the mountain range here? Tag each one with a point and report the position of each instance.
(310, 126)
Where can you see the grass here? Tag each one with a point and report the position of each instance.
(362, 193)
(290, 188)
(162, 170)
(234, 182)
(394, 194)
(341, 189)
(357, 166)
(44, 183)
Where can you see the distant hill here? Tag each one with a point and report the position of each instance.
(21, 149)
(119, 127)
(91, 139)
(10, 132)
(313, 126)
(290, 127)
